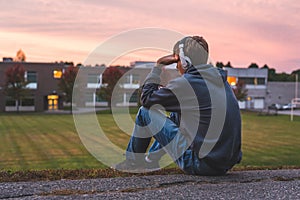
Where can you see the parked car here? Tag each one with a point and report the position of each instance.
(275, 106)
(288, 106)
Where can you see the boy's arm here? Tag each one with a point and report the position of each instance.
(152, 94)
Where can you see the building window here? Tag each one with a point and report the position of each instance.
(247, 80)
(94, 81)
(132, 81)
(52, 101)
(134, 98)
(89, 97)
(26, 104)
(92, 99)
(31, 78)
(100, 98)
(261, 81)
(231, 80)
(135, 79)
(130, 97)
(11, 102)
(253, 81)
(27, 101)
(57, 74)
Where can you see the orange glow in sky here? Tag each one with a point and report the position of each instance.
(239, 31)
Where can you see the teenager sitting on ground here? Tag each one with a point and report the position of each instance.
(203, 132)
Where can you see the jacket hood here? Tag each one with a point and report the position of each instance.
(206, 69)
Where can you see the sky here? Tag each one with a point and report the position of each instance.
(239, 31)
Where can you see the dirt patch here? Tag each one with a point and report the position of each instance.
(51, 175)
(42, 175)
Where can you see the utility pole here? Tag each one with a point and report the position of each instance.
(295, 100)
(296, 87)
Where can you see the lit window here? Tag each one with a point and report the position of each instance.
(231, 80)
(52, 97)
(255, 81)
(52, 101)
(57, 74)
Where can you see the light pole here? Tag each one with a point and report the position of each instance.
(295, 100)
(296, 87)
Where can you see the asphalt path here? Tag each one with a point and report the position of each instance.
(266, 184)
(288, 112)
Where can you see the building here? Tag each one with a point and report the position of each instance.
(134, 78)
(45, 94)
(281, 92)
(43, 88)
(255, 82)
(90, 80)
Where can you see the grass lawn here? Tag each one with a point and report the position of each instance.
(39, 141)
(270, 140)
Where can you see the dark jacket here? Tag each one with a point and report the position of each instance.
(208, 111)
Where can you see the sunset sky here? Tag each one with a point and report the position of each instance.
(239, 31)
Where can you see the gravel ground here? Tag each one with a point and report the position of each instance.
(268, 184)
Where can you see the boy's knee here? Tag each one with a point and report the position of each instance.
(142, 116)
(142, 109)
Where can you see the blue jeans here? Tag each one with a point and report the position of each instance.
(168, 139)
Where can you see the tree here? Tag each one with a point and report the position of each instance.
(20, 57)
(68, 63)
(283, 77)
(271, 74)
(294, 73)
(253, 65)
(219, 64)
(110, 78)
(240, 91)
(66, 83)
(265, 66)
(228, 65)
(15, 85)
(79, 65)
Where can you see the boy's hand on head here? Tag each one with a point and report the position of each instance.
(167, 60)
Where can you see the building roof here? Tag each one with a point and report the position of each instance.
(247, 72)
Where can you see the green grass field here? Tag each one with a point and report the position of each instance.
(39, 141)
